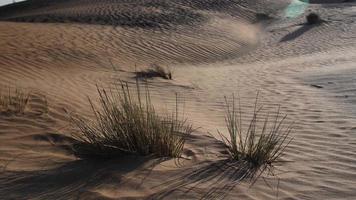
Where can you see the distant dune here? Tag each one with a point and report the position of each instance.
(59, 50)
(152, 28)
(138, 13)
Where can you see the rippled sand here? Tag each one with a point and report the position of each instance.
(59, 50)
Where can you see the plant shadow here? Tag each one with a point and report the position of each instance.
(220, 177)
(297, 33)
(72, 180)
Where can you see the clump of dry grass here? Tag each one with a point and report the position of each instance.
(155, 71)
(260, 145)
(129, 124)
(14, 101)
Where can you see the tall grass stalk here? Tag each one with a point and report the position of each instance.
(129, 124)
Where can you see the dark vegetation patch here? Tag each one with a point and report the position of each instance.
(313, 18)
(155, 71)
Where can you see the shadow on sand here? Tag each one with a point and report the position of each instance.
(208, 180)
(72, 180)
(297, 33)
(212, 179)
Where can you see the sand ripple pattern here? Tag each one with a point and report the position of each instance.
(308, 70)
(137, 13)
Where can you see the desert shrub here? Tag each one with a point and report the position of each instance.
(260, 145)
(13, 100)
(313, 18)
(155, 71)
(129, 124)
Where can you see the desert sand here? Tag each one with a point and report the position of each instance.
(59, 51)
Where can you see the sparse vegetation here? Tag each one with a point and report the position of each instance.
(261, 145)
(155, 71)
(13, 100)
(129, 124)
(313, 18)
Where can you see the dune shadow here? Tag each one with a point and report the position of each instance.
(220, 177)
(297, 33)
(72, 180)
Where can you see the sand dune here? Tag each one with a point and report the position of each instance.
(59, 50)
(136, 13)
(183, 33)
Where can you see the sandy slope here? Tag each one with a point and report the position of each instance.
(214, 49)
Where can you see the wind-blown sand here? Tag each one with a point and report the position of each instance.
(59, 50)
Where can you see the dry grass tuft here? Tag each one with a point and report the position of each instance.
(155, 71)
(129, 124)
(14, 101)
(259, 146)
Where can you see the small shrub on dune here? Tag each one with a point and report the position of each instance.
(14, 101)
(155, 71)
(313, 18)
(260, 145)
(129, 124)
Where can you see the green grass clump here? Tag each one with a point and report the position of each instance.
(129, 124)
(260, 145)
(14, 101)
